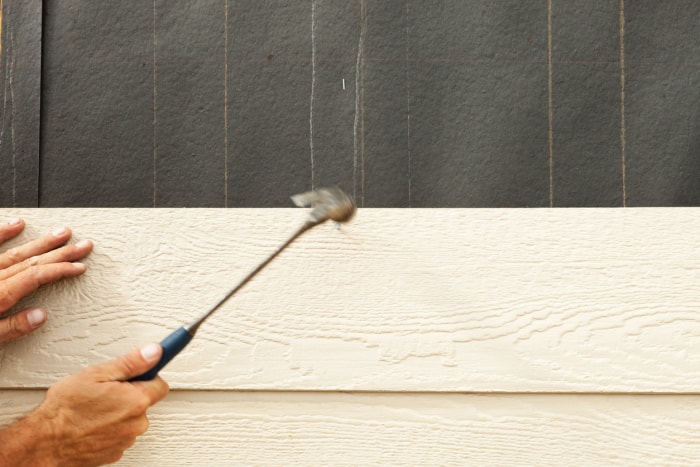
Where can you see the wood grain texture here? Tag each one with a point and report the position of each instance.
(576, 300)
(242, 428)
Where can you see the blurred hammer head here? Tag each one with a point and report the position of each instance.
(327, 203)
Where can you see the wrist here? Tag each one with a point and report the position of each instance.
(26, 442)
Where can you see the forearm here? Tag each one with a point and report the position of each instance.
(26, 443)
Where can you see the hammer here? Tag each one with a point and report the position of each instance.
(327, 203)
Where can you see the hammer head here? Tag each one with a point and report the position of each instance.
(327, 203)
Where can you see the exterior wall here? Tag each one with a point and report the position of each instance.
(458, 103)
(425, 336)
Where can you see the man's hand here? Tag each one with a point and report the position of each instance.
(27, 267)
(89, 418)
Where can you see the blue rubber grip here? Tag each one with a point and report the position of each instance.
(172, 345)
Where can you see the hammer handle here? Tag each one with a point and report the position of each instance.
(178, 340)
(172, 345)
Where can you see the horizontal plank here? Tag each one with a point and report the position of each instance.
(562, 300)
(249, 428)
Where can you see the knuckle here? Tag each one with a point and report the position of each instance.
(12, 328)
(164, 388)
(51, 391)
(138, 407)
(31, 261)
(141, 405)
(129, 366)
(34, 271)
(114, 457)
(15, 325)
(7, 299)
(66, 252)
(14, 255)
(92, 373)
(130, 442)
(71, 251)
(141, 426)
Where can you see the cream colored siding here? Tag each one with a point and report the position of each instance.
(421, 336)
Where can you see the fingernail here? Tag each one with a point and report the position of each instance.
(36, 317)
(149, 352)
(15, 221)
(80, 266)
(83, 243)
(59, 232)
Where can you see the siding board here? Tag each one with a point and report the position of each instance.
(280, 428)
(439, 300)
(408, 337)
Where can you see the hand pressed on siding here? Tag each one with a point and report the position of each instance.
(25, 268)
(89, 418)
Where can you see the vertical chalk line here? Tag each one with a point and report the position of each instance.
(225, 103)
(4, 103)
(357, 125)
(313, 88)
(408, 110)
(623, 129)
(6, 81)
(361, 60)
(14, 113)
(155, 107)
(550, 111)
(6, 93)
(0, 29)
(9, 90)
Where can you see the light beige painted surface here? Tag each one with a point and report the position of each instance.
(571, 312)
(310, 429)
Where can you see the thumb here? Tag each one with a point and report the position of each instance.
(21, 323)
(133, 364)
